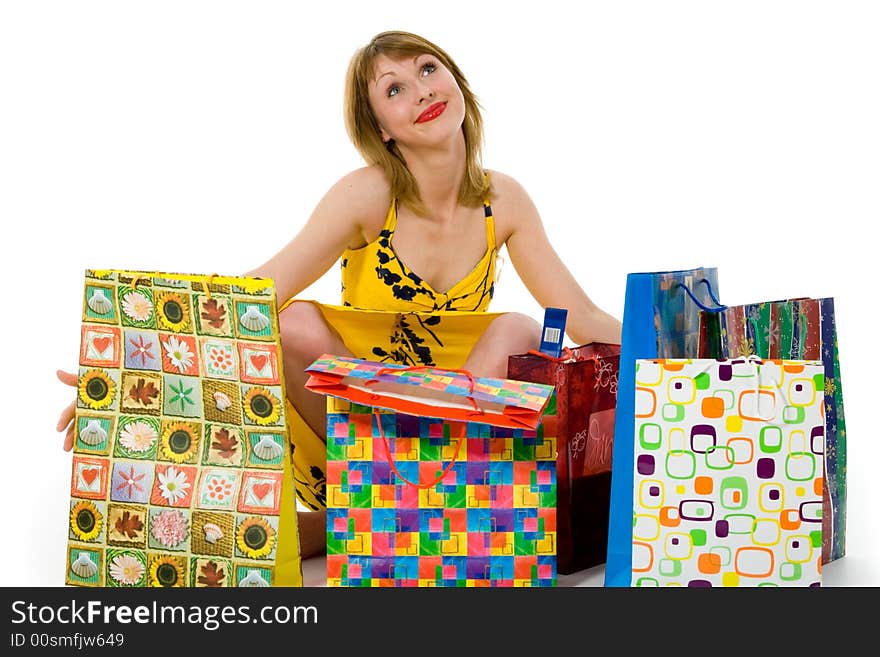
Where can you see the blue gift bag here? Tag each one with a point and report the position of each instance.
(661, 319)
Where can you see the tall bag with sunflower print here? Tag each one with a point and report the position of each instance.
(797, 329)
(181, 471)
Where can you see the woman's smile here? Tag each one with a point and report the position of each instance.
(431, 113)
(407, 95)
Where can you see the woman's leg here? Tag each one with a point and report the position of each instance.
(305, 336)
(509, 334)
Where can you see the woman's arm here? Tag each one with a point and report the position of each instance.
(336, 223)
(543, 272)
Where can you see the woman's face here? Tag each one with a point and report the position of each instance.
(416, 100)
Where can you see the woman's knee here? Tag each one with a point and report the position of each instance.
(304, 329)
(517, 331)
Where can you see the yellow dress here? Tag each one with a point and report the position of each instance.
(390, 314)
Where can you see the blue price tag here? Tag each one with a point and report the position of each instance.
(553, 331)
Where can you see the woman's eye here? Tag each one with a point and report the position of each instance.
(427, 69)
(393, 90)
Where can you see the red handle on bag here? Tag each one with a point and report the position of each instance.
(566, 355)
(394, 466)
(477, 411)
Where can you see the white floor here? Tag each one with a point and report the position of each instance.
(843, 572)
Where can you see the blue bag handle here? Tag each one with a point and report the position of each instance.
(720, 306)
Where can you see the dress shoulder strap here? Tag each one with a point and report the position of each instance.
(391, 217)
(490, 218)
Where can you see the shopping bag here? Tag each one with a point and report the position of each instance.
(439, 338)
(800, 328)
(661, 319)
(582, 410)
(436, 478)
(181, 459)
(727, 483)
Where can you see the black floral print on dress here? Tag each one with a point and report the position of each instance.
(410, 341)
(408, 286)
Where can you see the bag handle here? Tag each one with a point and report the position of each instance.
(757, 361)
(565, 356)
(476, 411)
(393, 465)
(711, 293)
(206, 282)
(720, 306)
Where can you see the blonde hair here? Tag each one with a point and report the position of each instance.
(364, 131)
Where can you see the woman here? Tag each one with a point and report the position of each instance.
(409, 228)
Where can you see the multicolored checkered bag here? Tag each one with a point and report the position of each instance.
(461, 494)
(181, 466)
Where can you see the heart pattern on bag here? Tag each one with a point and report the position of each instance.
(262, 490)
(102, 343)
(89, 475)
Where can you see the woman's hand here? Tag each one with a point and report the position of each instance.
(65, 421)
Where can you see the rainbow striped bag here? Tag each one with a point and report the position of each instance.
(799, 328)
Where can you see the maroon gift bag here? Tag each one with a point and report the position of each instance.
(585, 381)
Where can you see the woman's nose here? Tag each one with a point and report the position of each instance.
(425, 93)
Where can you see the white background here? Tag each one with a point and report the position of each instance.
(198, 136)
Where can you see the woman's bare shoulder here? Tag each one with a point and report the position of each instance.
(363, 190)
(366, 184)
(503, 183)
(511, 204)
(365, 195)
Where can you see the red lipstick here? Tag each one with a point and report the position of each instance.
(431, 113)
